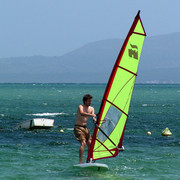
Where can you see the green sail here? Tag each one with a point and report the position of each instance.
(109, 130)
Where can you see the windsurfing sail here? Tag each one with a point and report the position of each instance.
(111, 121)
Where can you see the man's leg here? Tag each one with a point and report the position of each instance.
(89, 143)
(81, 150)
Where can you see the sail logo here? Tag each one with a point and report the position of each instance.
(133, 52)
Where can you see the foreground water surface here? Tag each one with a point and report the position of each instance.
(50, 154)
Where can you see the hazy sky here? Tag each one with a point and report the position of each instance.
(55, 27)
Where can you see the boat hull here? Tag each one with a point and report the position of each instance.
(37, 123)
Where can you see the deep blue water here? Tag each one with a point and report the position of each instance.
(49, 154)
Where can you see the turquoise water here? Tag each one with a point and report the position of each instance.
(49, 154)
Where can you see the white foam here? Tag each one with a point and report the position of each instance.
(47, 114)
(144, 105)
(70, 129)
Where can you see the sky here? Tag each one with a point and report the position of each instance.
(56, 27)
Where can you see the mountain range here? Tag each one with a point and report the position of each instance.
(93, 63)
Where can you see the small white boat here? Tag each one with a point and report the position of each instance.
(36, 123)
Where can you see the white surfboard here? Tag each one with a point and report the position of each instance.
(93, 166)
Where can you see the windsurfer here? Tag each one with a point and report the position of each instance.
(81, 131)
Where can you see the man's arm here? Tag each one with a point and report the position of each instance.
(94, 117)
(83, 113)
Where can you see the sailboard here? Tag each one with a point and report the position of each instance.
(93, 166)
(111, 120)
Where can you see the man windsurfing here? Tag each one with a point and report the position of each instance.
(81, 131)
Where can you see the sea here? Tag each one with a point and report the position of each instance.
(52, 154)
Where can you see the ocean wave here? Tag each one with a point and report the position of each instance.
(144, 105)
(158, 105)
(47, 114)
(58, 143)
(70, 129)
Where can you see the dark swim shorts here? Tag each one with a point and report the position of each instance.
(81, 133)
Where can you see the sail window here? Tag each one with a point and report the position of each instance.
(109, 123)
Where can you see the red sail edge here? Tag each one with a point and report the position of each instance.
(108, 87)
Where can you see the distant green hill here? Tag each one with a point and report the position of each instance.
(92, 63)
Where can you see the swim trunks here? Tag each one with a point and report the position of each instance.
(81, 133)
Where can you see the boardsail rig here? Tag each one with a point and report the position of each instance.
(111, 121)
